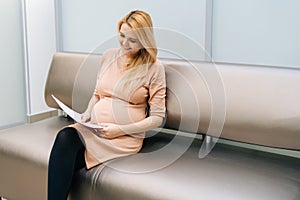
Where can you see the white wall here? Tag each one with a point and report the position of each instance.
(262, 32)
(180, 26)
(12, 79)
(41, 45)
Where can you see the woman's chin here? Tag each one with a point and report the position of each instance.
(129, 52)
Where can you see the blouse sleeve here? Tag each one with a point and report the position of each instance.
(157, 92)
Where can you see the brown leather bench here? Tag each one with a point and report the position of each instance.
(184, 159)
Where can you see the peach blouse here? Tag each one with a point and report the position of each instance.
(116, 106)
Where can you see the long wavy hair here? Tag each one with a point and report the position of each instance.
(140, 22)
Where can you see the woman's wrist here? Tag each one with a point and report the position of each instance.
(141, 126)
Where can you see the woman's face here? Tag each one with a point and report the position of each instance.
(129, 43)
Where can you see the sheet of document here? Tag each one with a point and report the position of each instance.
(74, 115)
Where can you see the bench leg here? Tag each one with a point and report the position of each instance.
(208, 139)
(208, 144)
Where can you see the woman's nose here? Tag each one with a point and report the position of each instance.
(125, 42)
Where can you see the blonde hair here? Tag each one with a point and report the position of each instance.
(140, 22)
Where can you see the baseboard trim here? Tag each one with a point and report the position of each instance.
(41, 116)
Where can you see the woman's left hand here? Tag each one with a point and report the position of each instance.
(111, 131)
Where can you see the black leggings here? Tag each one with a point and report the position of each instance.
(67, 156)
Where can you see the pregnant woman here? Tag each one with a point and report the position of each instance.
(129, 99)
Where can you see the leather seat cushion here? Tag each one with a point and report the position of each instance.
(228, 172)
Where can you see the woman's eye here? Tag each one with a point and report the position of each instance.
(122, 35)
(132, 40)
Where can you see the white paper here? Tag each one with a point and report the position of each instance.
(74, 115)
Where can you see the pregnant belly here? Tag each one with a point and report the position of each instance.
(109, 110)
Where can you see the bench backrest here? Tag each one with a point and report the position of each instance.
(259, 105)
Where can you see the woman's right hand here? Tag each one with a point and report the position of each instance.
(85, 117)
